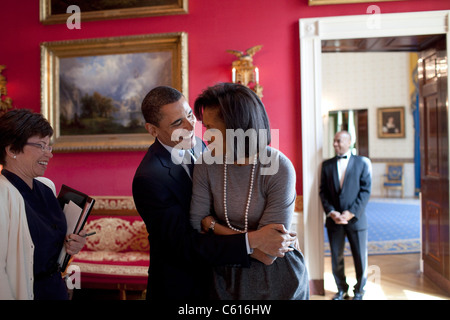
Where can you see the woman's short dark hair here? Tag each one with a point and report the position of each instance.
(17, 126)
(157, 98)
(239, 107)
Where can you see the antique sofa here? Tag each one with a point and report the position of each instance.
(117, 256)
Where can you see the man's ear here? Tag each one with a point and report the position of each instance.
(152, 129)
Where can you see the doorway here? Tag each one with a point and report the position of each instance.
(353, 121)
(312, 32)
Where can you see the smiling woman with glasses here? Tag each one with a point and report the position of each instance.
(32, 224)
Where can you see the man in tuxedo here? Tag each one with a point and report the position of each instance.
(345, 187)
(181, 259)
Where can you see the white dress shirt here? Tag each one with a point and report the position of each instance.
(179, 157)
(342, 167)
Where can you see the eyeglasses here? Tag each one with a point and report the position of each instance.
(42, 146)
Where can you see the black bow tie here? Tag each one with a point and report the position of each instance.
(341, 157)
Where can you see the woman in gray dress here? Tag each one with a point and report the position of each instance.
(242, 184)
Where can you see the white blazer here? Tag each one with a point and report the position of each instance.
(16, 245)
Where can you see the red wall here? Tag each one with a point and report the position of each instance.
(213, 26)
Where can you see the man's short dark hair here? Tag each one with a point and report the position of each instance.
(17, 126)
(239, 107)
(155, 99)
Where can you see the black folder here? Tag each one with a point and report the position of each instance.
(85, 202)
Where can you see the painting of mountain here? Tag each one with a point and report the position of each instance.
(103, 94)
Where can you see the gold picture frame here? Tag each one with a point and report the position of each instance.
(114, 75)
(391, 122)
(323, 2)
(118, 12)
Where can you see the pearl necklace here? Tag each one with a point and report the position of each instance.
(250, 190)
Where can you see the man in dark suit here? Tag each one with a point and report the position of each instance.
(180, 257)
(345, 186)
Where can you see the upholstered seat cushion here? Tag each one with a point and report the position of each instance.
(113, 263)
(392, 184)
(117, 234)
(117, 253)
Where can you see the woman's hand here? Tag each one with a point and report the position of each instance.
(206, 222)
(76, 242)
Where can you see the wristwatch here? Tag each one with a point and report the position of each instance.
(211, 226)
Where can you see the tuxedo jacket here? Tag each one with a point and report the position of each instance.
(181, 259)
(355, 192)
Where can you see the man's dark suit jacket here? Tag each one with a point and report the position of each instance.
(355, 192)
(180, 257)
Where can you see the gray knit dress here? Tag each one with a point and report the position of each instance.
(272, 201)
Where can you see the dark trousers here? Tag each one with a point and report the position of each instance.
(358, 245)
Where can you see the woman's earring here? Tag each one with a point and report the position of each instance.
(15, 157)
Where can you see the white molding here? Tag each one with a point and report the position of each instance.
(312, 32)
(372, 25)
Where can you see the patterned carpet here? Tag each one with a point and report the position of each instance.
(394, 227)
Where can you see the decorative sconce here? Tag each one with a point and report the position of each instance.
(244, 72)
(5, 102)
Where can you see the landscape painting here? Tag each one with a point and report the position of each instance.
(103, 94)
(92, 89)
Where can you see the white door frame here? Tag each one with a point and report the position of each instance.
(312, 32)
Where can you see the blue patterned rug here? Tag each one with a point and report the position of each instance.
(394, 227)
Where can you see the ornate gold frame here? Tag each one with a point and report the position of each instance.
(323, 2)
(51, 52)
(401, 114)
(5, 101)
(46, 17)
(114, 205)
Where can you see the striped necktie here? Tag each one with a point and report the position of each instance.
(189, 160)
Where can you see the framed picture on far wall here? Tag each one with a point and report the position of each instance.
(391, 122)
(92, 89)
(55, 11)
(321, 2)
